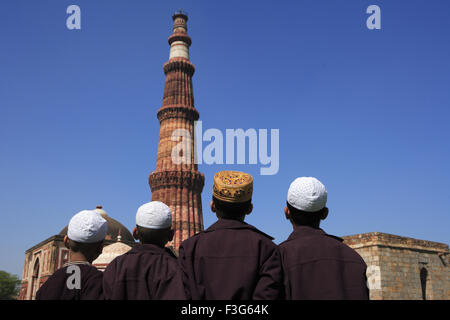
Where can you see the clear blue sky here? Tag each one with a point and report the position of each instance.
(366, 112)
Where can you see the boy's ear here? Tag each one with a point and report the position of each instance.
(287, 213)
(250, 209)
(213, 207)
(100, 247)
(66, 242)
(324, 214)
(135, 233)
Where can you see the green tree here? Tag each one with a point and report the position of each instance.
(9, 286)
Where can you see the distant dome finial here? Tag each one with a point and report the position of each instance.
(100, 210)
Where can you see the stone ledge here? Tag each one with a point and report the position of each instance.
(393, 241)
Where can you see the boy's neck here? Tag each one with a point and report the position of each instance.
(77, 257)
(314, 226)
(240, 218)
(155, 244)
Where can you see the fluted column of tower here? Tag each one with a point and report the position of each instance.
(179, 185)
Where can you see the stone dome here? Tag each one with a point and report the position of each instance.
(115, 228)
(109, 253)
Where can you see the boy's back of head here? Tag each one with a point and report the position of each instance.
(85, 235)
(232, 195)
(153, 224)
(306, 202)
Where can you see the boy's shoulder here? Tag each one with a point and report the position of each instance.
(56, 285)
(142, 251)
(69, 268)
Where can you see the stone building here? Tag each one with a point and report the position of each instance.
(403, 268)
(109, 253)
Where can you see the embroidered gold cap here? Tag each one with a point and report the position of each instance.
(233, 186)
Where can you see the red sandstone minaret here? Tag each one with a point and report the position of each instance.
(178, 185)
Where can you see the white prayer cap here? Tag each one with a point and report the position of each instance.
(307, 194)
(154, 215)
(87, 226)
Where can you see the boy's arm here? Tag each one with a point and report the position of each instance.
(108, 280)
(270, 284)
(183, 271)
(93, 288)
(171, 288)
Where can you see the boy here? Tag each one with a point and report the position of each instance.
(149, 271)
(231, 260)
(317, 265)
(78, 279)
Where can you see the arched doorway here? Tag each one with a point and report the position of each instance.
(35, 279)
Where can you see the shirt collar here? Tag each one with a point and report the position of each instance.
(151, 248)
(234, 224)
(305, 231)
(76, 262)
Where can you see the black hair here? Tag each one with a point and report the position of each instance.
(303, 218)
(151, 236)
(231, 210)
(82, 247)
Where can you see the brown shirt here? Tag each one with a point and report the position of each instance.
(146, 272)
(319, 266)
(231, 260)
(56, 288)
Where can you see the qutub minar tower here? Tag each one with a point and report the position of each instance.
(178, 185)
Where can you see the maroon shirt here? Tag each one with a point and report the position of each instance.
(56, 288)
(231, 260)
(319, 266)
(146, 272)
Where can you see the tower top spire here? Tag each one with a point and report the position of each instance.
(179, 40)
(180, 13)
